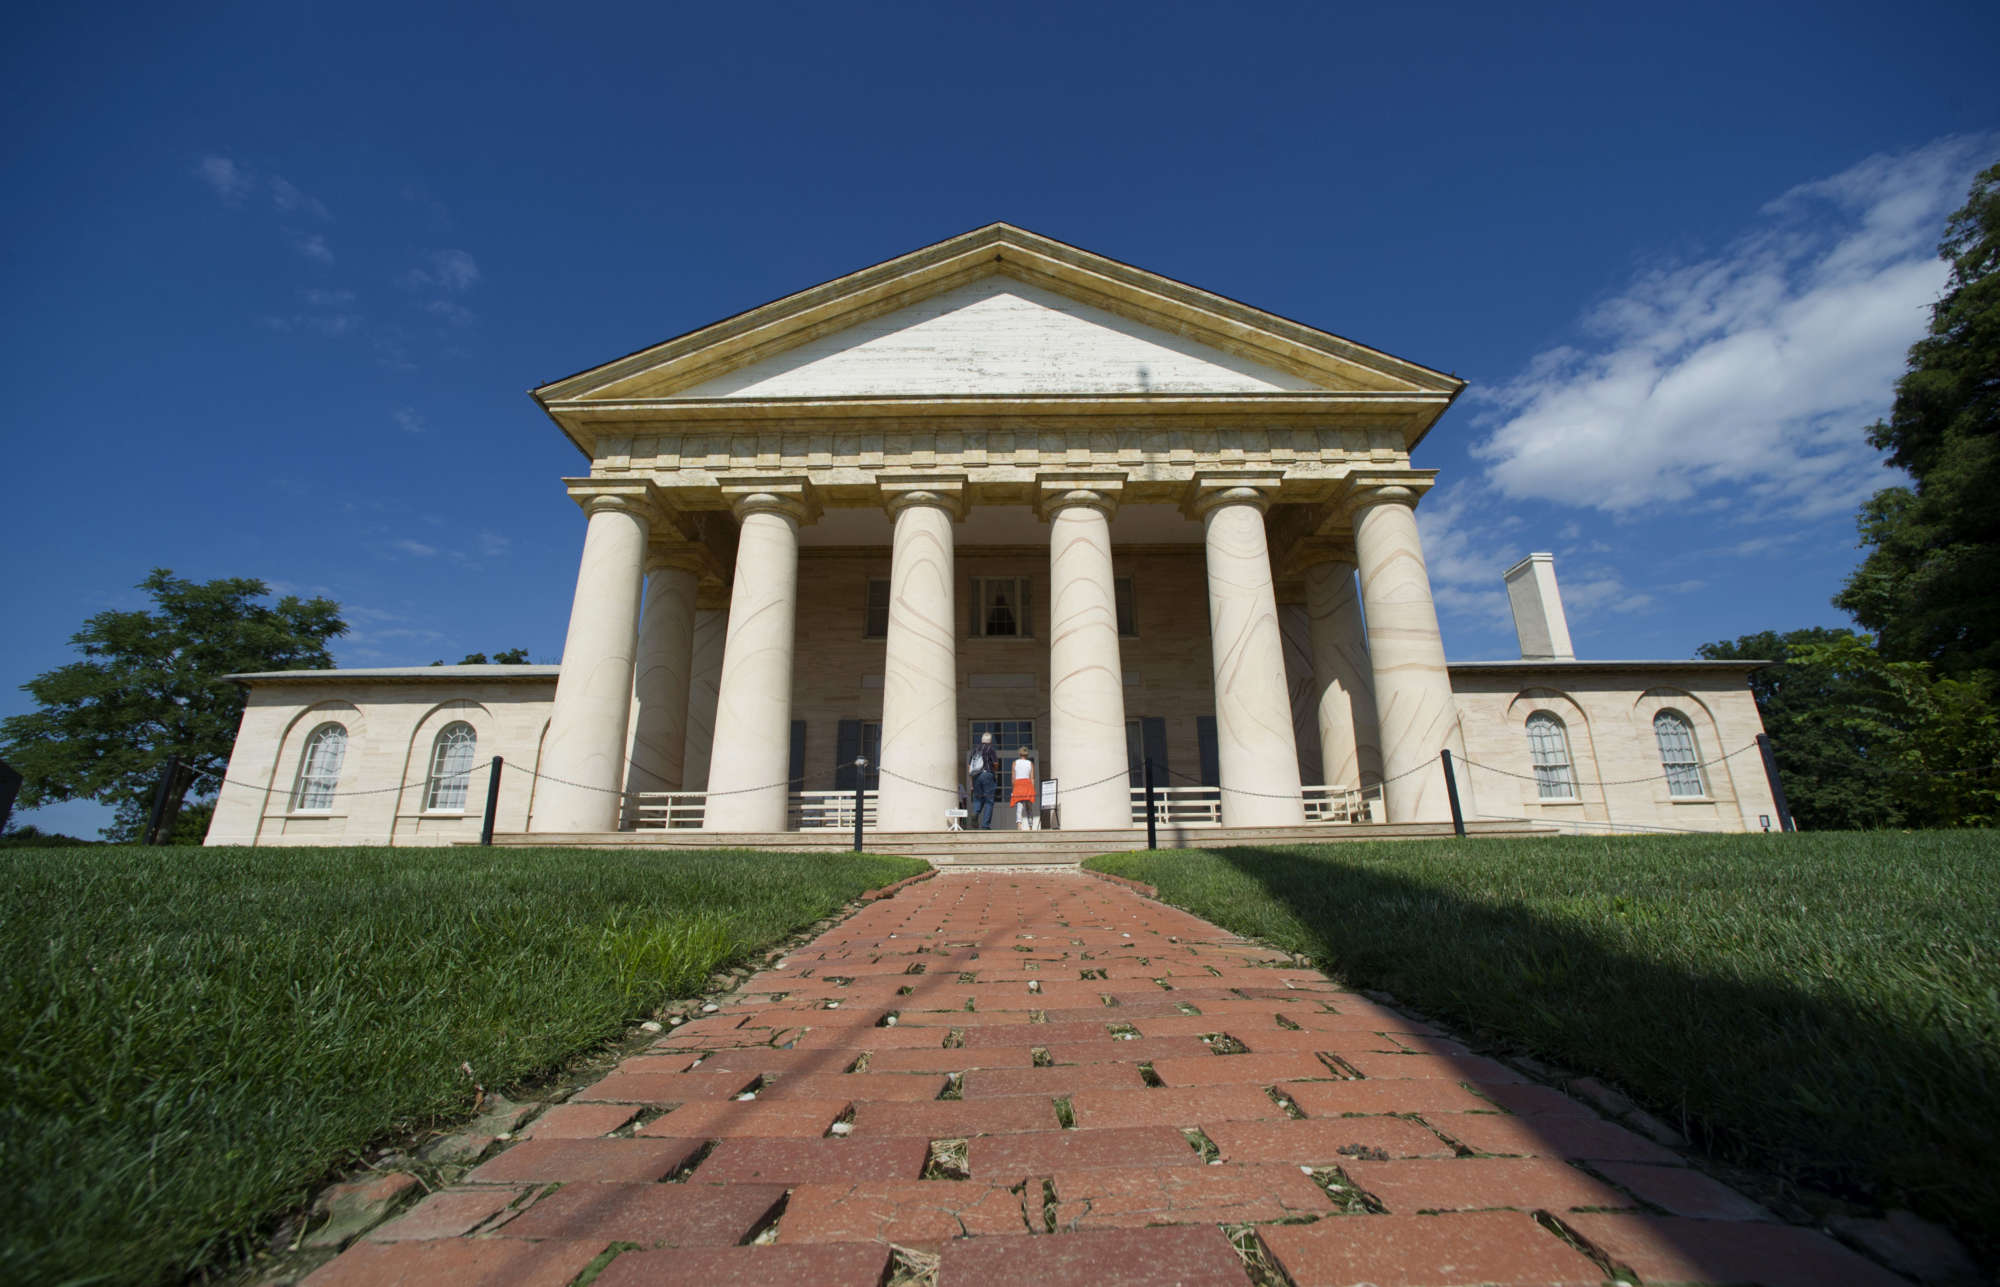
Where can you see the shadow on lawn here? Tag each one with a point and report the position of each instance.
(1879, 1106)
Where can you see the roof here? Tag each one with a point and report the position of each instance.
(397, 674)
(655, 380)
(1551, 663)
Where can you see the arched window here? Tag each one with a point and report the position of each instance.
(1677, 754)
(1548, 745)
(319, 768)
(451, 764)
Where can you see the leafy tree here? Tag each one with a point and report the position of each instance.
(148, 688)
(1927, 586)
(1829, 780)
(1934, 740)
(510, 657)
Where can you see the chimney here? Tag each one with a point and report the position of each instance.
(1538, 610)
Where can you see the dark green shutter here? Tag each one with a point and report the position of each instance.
(1211, 761)
(846, 745)
(796, 772)
(1153, 738)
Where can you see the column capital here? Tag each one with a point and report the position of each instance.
(617, 495)
(682, 558)
(941, 491)
(1212, 487)
(1314, 551)
(1400, 487)
(789, 494)
(1064, 489)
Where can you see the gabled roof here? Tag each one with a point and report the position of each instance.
(1322, 362)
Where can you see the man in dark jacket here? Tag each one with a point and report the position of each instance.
(984, 767)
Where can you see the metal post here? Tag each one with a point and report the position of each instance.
(860, 778)
(1152, 828)
(169, 777)
(1785, 822)
(1451, 793)
(492, 802)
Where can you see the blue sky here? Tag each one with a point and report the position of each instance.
(280, 274)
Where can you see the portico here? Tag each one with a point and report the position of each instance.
(996, 373)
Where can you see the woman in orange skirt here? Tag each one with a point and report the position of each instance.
(1024, 788)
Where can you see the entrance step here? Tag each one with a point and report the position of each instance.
(1013, 848)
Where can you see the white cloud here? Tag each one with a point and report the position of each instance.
(290, 200)
(492, 545)
(313, 246)
(450, 271)
(1753, 372)
(417, 548)
(231, 181)
(408, 421)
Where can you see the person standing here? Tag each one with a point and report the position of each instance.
(984, 768)
(1024, 789)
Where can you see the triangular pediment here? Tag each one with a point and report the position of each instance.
(996, 312)
(997, 335)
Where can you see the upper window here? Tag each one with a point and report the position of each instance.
(1677, 754)
(1548, 745)
(1000, 607)
(451, 765)
(1128, 607)
(319, 768)
(877, 616)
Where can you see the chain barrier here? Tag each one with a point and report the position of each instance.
(401, 786)
(1657, 777)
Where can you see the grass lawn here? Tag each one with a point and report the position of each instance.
(1825, 1006)
(191, 1038)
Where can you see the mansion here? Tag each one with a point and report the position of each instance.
(983, 488)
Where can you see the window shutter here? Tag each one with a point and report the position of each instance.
(1211, 760)
(846, 745)
(1153, 737)
(796, 770)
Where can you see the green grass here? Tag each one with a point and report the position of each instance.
(191, 1038)
(1822, 1006)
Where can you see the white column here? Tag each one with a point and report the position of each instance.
(748, 785)
(920, 759)
(711, 627)
(585, 747)
(660, 686)
(1086, 675)
(1418, 717)
(1256, 750)
(1349, 737)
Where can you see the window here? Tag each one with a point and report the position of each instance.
(1000, 607)
(1146, 737)
(1128, 608)
(1548, 746)
(862, 738)
(1009, 736)
(1677, 754)
(319, 769)
(451, 765)
(877, 615)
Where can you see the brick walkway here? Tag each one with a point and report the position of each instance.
(999, 1078)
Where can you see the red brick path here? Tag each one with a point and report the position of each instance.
(1046, 1079)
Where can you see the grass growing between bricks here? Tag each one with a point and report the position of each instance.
(1822, 1006)
(190, 1039)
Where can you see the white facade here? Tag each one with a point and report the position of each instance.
(1001, 483)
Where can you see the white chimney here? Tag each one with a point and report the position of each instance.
(1538, 610)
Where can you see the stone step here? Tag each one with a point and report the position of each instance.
(1012, 848)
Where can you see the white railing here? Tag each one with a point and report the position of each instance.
(1201, 806)
(829, 811)
(656, 810)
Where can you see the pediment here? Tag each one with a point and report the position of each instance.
(996, 312)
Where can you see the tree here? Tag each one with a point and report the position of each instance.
(1830, 780)
(1933, 740)
(1927, 584)
(149, 688)
(510, 657)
